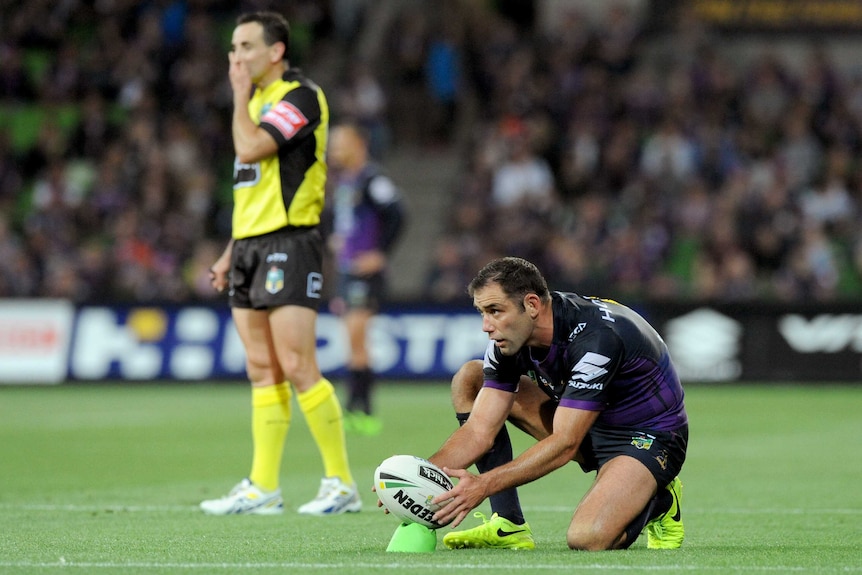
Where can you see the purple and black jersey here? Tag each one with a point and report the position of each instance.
(604, 357)
(367, 213)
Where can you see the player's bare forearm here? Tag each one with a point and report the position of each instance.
(219, 270)
(461, 450)
(471, 490)
(476, 436)
(251, 143)
(539, 460)
(549, 454)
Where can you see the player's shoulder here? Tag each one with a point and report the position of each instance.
(588, 305)
(298, 78)
(300, 89)
(569, 306)
(578, 318)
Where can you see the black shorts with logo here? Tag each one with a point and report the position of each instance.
(362, 292)
(277, 269)
(662, 452)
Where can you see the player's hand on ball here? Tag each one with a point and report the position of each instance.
(406, 485)
(461, 499)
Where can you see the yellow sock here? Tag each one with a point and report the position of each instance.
(323, 414)
(270, 420)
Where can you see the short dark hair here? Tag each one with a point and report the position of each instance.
(275, 28)
(516, 276)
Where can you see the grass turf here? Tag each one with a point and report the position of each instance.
(106, 479)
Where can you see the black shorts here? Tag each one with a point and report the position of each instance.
(277, 269)
(362, 292)
(662, 452)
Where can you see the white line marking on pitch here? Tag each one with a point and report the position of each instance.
(62, 564)
(119, 508)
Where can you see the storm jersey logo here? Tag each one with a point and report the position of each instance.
(587, 369)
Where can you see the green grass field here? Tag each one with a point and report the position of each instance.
(106, 479)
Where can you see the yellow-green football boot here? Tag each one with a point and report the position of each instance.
(494, 533)
(666, 531)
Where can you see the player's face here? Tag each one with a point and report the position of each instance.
(249, 48)
(340, 146)
(505, 322)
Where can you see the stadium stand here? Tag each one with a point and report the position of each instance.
(624, 160)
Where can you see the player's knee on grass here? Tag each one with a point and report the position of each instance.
(589, 538)
(466, 385)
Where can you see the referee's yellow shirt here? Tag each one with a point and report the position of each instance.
(286, 189)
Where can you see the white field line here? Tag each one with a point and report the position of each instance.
(50, 507)
(415, 565)
(724, 510)
(61, 563)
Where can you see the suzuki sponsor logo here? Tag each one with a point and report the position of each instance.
(704, 345)
(824, 333)
(587, 369)
(581, 385)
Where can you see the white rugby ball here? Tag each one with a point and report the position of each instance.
(406, 485)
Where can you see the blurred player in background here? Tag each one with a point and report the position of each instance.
(272, 266)
(367, 219)
(593, 382)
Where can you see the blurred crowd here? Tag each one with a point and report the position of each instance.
(623, 164)
(130, 199)
(636, 167)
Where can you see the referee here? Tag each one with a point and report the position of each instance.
(272, 266)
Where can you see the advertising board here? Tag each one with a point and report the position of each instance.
(52, 341)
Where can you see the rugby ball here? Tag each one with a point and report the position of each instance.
(406, 485)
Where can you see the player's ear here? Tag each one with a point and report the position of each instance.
(276, 51)
(531, 304)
